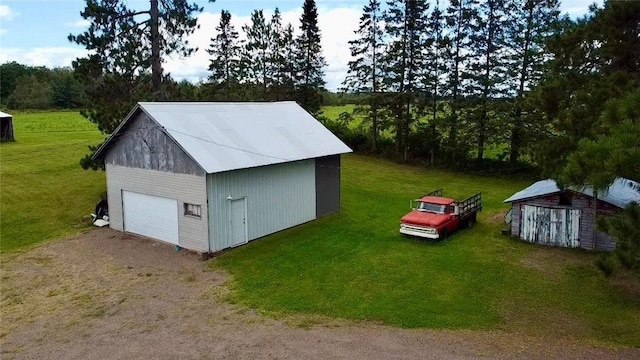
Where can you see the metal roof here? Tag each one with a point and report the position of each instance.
(229, 136)
(620, 193)
(4, 114)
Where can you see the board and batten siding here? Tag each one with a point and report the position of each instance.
(551, 226)
(587, 228)
(185, 188)
(277, 197)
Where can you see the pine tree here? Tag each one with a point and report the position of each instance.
(366, 69)
(405, 22)
(225, 51)
(282, 57)
(120, 41)
(531, 25)
(458, 17)
(256, 56)
(434, 71)
(123, 45)
(488, 73)
(310, 63)
(288, 68)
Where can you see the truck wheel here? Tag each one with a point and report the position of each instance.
(444, 234)
(472, 220)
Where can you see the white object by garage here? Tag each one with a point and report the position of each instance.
(152, 216)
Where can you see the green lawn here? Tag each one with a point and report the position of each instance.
(43, 191)
(356, 265)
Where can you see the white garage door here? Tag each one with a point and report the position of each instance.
(152, 216)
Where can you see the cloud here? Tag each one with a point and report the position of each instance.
(6, 13)
(78, 24)
(335, 47)
(42, 56)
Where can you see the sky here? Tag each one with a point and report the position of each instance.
(34, 32)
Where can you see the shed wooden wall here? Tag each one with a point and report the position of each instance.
(144, 160)
(581, 202)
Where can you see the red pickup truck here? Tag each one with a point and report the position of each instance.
(435, 217)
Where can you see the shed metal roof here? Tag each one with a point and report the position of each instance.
(4, 114)
(229, 136)
(620, 193)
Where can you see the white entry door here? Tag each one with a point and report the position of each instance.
(151, 216)
(238, 221)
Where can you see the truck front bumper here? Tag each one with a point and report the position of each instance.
(428, 233)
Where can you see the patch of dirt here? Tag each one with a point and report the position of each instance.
(497, 218)
(108, 295)
(551, 262)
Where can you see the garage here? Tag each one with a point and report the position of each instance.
(151, 216)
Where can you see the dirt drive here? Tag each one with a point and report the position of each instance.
(107, 295)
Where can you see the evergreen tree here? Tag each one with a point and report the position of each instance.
(123, 45)
(595, 60)
(121, 40)
(458, 17)
(533, 24)
(434, 71)
(256, 52)
(366, 69)
(487, 68)
(405, 23)
(310, 81)
(282, 58)
(225, 51)
(288, 70)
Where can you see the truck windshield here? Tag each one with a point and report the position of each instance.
(435, 208)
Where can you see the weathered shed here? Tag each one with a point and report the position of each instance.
(545, 214)
(209, 176)
(6, 127)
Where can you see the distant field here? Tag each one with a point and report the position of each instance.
(43, 191)
(491, 151)
(356, 265)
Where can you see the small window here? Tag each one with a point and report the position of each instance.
(565, 199)
(192, 210)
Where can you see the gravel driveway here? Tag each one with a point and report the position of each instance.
(109, 295)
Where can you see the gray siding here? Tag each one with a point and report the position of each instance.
(587, 220)
(327, 185)
(144, 145)
(278, 197)
(193, 232)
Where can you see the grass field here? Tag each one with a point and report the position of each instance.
(353, 264)
(356, 265)
(43, 191)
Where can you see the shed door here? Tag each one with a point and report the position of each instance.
(152, 216)
(238, 222)
(548, 226)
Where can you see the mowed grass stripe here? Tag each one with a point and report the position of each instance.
(43, 191)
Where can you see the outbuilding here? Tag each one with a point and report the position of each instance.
(209, 176)
(545, 214)
(6, 127)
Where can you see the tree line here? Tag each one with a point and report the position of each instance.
(38, 87)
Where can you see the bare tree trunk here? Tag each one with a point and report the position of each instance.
(516, 138)
(156, 64)
(485, 95)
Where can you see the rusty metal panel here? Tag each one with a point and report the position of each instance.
(550, 226)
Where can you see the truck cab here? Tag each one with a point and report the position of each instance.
(433, 217)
